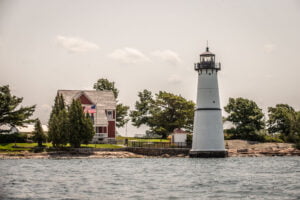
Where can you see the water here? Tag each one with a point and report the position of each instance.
(151, 178)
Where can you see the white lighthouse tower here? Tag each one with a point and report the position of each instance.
(208, 137)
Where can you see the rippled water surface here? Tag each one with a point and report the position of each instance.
(151, 178)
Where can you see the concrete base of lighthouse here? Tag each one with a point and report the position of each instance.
(208, 154)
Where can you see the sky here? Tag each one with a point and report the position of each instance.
(138, 44)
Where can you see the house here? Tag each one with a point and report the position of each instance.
(179, 136)
(8, 129)
(101, 105)
(29, 128)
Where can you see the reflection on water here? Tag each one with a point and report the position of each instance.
(151, 178)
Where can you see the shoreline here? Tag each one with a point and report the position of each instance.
(235, 148)
(125, 154)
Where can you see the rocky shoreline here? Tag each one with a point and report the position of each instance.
(241, 148)
(68, 155)
(236, 148)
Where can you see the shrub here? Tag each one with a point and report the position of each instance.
(259, 136)
(297, 145)
(10, 138)
(269, 138)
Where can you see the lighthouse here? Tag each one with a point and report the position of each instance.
(208, 137)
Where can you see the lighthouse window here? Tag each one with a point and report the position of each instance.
(214, 101)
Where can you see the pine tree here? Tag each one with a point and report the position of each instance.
(81, 126)
(10, 111)
(63, 126)
(58, 123)
(53, 133)
(38, 133)
(89, 130)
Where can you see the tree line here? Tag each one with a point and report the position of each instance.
(250, 123)
(161, 112)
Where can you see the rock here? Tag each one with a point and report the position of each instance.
(242, 150)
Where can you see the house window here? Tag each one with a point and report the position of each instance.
(101, 129)
(110, 114)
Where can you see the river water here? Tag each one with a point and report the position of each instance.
(151, 178)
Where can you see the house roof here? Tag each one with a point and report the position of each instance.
(30, 128)
(207, 53)
(102, 99)
(6, 128)
(179, 131)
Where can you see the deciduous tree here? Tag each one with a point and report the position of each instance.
(280, 119)
(164, 113)
(121, 110)
(246, 117)
(105, 84)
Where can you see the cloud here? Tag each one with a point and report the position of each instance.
(45, 107)
(174, 78)
(75, 45)
(167, 56)
(128, 55)
(269, 48)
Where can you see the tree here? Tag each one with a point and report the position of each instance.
(141, 115)
(89, 130)
(246, 117)
(121, 116)
(59, 104)
(58, 123)
(121, 110)
(164, 113)
(81, 127)
(38, 133)
(280, 118)
(10, 113)
(63, 128)
(294, 135)
(105, 84)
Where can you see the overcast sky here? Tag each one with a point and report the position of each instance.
(69, 44)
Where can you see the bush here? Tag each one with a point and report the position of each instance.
(269, 138)
(189, 139)
(259, 136)
(297, 145)
(10, 138)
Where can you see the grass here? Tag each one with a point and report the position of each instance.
(10, 147)
(142, 139)
(102, 146)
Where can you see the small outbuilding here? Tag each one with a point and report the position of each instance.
(8, 129)
(179, 136)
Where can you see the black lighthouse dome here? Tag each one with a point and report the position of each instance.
(207, 61)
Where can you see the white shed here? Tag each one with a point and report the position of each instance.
(179, 136)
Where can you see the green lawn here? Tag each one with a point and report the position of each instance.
(142, 139)
(27, 146)
(151, 140)
(102, 146)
